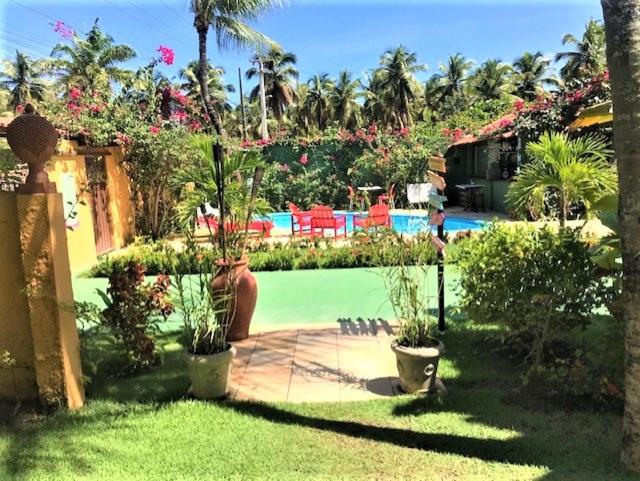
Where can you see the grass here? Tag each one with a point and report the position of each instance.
(144, 429)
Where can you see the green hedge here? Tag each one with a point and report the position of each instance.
(296, 256)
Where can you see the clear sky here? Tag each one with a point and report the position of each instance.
(327, 35)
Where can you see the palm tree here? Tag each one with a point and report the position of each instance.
(23, 79)
(531, 74)
(279, 76)
(317, 110)
(345, 101)
(395, 81)
(454, 74)
(228, 21)
(218, 90)
(589, 57)
(92, 63)
(564, 172)
(622, 31)
(377, 105)
(491, 79)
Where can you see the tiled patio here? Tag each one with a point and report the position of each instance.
(352, 361)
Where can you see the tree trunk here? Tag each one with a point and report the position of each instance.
(203, 80)
(622, 23)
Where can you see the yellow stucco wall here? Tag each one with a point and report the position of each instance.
(119, 194)
(80, 237)
(19, 381)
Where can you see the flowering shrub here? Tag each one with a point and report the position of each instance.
(166, 54)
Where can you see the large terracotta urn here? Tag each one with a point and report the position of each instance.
(33, 139)
(237, 280)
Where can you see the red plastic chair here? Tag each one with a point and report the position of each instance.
(322, 217)
(301, 219)
(378, 217)
(389, 197)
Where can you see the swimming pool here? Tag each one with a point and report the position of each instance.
(400, 222)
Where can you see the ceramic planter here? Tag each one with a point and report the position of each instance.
(209, 374)
(244, 297)
(417, 367)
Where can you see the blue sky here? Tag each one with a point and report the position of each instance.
(327, 35)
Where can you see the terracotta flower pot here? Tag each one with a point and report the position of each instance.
(417, 367)
(209, 374)
(244, 295)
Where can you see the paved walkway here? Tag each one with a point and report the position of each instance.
(346, 363)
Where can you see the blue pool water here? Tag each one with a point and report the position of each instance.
(404, 223)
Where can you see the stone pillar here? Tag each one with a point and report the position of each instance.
(45, 337)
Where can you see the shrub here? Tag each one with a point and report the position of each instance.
(133, 311)
(537, 284)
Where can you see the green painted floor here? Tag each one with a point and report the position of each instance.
(309, 297)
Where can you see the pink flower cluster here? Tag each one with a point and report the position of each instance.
(179, 116)
(166, 54)
(75, 93)
(122, 139)
(360, 135)
(304, 159)
(154, 129)
(195, 126)
(454, 135)
(63, 30)
(518, 105)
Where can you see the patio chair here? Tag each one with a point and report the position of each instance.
(322, 217)
(389, 197)
(300, 219)
(378, 217)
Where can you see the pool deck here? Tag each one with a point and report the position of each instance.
(352, 362)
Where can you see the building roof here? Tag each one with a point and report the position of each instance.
(488, 131)
(595, 115)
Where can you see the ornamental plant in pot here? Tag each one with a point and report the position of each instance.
(228, 186)
(404, 266)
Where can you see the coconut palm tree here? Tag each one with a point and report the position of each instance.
(589, 57)
(395, 81)
(317, 110)
(346, 109)
(23, 80)
(218, 90)
(92, 63)
(378, 106)
(563, 172)
(453, 75)
(491, 79)
(531, 74)
(279, 77)
(228, 21)
(622, 31)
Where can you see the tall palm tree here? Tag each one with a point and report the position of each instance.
(377, 105)
(622, 31)
(454, 74)
(589, 57)
(395, 78)
(228, 21)
(565, 172)
(279, 76)
(218, 90)
(491, 79)
(531, 74)
(23, 79)
(317, 110)
(92, 63)
(345, 101)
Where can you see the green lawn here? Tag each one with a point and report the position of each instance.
(485, 429)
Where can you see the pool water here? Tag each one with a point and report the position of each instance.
(400, 222)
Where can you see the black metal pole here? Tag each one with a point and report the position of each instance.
(441, 321)
(218, 160)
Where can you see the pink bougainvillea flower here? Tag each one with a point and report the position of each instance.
(122, 138)
(195, 125)
(605, 75)
(75, 93)
(63, 29)
(179, 97)
(179, 116)
(246, 144)
(373, 129)
(304, 159)
(154, 129)
(404, 132)
(518, 105)
(263, 142)
(166, 54)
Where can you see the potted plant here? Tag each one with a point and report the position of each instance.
(231, 184)
(405, 264)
